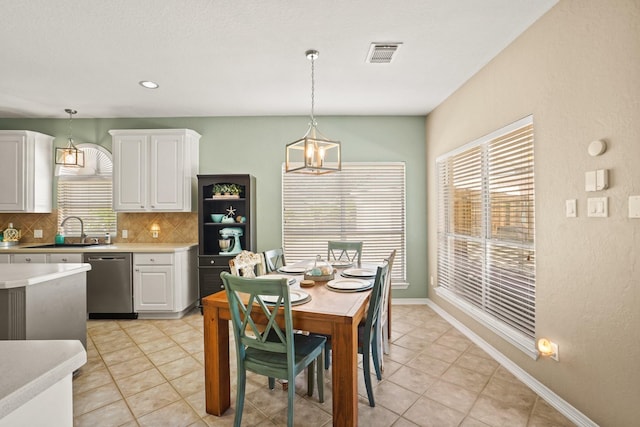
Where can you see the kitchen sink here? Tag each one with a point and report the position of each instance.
(64, 245)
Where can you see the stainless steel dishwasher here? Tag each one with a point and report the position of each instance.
(110, 286)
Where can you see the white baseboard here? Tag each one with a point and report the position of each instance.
(409, 301)
(543, 391)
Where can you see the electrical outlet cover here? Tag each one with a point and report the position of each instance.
(571, 210)
(634, 206)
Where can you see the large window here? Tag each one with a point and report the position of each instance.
(486, 252)
(87, 193)
(363, 202)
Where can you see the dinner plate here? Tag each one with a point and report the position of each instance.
(349, 284)
(350, 291)
(291, 269)
(290, 280)
(359, 272)
(297, 297)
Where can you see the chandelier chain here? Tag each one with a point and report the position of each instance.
(313, 119)
(71, 112)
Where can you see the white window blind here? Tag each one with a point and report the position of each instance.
(89, 199)
(87, 193)
(486, 228)
(363, 202)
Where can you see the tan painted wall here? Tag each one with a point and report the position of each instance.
(577, 70)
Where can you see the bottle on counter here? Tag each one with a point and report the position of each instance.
(59, 237)
(107, 238)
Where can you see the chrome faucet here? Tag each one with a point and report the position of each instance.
(82, 235)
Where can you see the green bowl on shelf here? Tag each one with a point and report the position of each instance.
(217, 217)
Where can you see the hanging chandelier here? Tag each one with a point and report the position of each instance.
(314, 153)
(70, 155)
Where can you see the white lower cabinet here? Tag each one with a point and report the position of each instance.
(164, 283)
(153, 282)
(5, 258)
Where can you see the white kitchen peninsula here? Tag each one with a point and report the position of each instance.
(43, 302)
(36, 387)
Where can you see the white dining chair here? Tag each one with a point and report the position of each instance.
(383, 331)
(248, 264)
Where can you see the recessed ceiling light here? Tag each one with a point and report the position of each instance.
(149, 84)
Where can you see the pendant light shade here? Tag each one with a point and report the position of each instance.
(70, 155)
(314, 153)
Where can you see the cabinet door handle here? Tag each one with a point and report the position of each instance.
(152, 260)
(153, 207)
(137, 269)
(142, 206)
(212, 261)
(27, 259)
(64, 260)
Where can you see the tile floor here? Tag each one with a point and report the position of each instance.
(150, 373)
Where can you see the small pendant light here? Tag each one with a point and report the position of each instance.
(313, 153)
(70, 155)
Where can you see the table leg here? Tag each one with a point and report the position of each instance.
(216, 362)
(345, 374)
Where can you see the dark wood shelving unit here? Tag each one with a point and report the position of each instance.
(210, 262)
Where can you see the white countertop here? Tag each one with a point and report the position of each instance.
(29, 367)
(19, 275)
(116, 247)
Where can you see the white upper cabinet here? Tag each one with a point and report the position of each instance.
(155, 170)
(27, 171)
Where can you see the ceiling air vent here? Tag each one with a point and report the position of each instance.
(382, 53)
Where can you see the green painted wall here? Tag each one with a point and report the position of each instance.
(256, 145)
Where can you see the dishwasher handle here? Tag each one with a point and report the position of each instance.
(106, 258)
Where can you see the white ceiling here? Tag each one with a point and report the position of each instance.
(245, 57)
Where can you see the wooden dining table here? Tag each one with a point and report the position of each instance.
(328, 312)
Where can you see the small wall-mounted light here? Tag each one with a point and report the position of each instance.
(155, 229)
(547, 348)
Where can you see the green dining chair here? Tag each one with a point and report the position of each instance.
(271, 351)
(368, 332)
(274, 259)
(344, 251)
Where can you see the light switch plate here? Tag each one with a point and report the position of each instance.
(634, 206)
(571, 210)
(37, 234)
(602, 179)
(125, 234)
(598, 207)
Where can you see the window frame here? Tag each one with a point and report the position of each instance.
(480, 266)
(97, 172)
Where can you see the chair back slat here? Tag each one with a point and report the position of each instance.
(344, 251)
(374, 302)
(245, 318)
(386, 291)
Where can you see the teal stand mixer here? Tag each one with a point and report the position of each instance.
(230, 241)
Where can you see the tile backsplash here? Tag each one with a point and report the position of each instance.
(174, 227)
